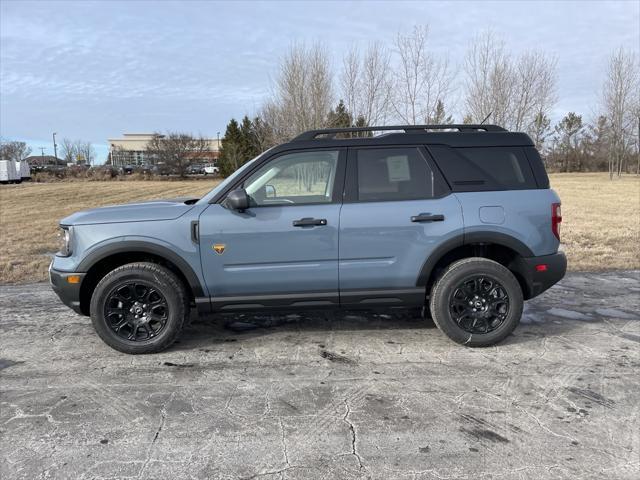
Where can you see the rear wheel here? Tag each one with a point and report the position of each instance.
(139, 308)
(476, 302)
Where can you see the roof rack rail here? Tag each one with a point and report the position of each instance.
(332, 132)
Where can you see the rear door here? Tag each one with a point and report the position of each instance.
(397, 209)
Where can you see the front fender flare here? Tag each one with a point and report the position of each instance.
(141, 246)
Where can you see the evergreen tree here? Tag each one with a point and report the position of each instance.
(440, 117)
(231, 149)
(362, 122)
(248, 140)
(340, 117)
(540, 130)
(568, 135)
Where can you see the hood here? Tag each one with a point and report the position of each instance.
(132, 212)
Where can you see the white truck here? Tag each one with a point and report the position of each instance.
(8, 173)
(23, 170)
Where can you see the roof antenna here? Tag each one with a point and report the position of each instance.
(486, 118)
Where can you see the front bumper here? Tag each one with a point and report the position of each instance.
(538, 280)
(69, 293)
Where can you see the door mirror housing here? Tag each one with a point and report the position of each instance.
(238, 200)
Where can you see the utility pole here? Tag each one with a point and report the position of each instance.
(42, 149)
(218, 148)
(55, 148)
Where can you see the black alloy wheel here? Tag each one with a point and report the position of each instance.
(136, 311)
(139, 308)
(479, 304)
(476, 302)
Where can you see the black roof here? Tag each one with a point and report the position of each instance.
(458, 135)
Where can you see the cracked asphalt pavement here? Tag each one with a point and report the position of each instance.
(327, 395)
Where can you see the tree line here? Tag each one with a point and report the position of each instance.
(71, 151)
(409, 83)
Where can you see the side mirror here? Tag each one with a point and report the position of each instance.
(270, 191)
(238, 200)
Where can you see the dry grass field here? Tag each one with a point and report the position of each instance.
(600, 230)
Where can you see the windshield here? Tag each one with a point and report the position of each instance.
(230, 179)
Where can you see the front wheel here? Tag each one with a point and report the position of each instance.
(476, 302)
(139, 308)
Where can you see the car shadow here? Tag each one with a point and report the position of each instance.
(206, 331)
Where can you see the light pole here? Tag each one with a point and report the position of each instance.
(55, 148)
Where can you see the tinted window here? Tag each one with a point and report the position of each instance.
(295, 178)
(393, 174)
(486, 168)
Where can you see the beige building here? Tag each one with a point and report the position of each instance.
(131, 150)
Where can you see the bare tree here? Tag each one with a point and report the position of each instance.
(512, 92)
(620, 101)
(351, 80)
(534, 90)
(12, 150)
(86, 153)
(366, 84)
(177, 150)
(303, 92)
(263, 135)
(77, 151)
(421, 80)
(68, 150)
(489, 85)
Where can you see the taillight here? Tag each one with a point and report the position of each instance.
(556, 219)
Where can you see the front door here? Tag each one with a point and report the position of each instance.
(283, 250)
(397, 210)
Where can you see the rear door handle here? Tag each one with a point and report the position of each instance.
(427, 217)
(310, 222)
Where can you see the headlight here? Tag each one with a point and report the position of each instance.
(64, 240)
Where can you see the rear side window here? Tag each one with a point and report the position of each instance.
(486, 168)
(393, 174)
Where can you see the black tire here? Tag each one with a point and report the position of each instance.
(168, 308)
(491, 324)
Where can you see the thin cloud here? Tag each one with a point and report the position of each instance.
(96, 69)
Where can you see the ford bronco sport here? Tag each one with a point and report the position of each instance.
(457, 219)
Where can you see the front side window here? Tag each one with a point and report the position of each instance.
(393, 174)
(295, 178)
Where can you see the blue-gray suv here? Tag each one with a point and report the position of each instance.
(456, 219)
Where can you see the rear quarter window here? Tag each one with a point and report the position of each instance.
(484, 168)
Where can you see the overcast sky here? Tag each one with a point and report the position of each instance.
(95, 70)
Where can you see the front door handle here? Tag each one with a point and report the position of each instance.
(310, 222)
(427, 217)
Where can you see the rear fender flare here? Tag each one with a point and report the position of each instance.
(494, 238)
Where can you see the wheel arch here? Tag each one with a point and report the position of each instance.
(502, 248)
(101, 261)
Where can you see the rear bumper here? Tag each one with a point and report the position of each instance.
(537, 280)
(69, 293)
